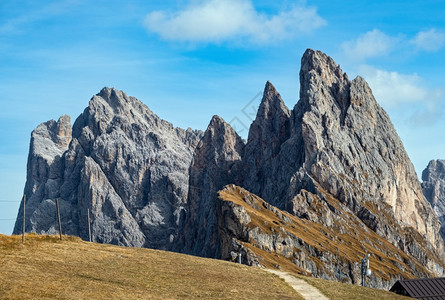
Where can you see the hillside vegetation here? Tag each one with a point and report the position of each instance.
(275, 237)
(45, 267)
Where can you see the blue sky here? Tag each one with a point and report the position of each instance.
(190, 59)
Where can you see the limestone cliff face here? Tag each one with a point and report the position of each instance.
(433, 186)
(351, 147)
(48, 143)
(352, 151)
(144, 162)
(334, 162)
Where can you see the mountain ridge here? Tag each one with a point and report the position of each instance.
(335, 160)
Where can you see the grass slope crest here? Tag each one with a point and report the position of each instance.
(269, 237)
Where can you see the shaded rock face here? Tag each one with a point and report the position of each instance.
(334, 160)
(433, 186)
(269, 130)
(125, 164)
(216, 162)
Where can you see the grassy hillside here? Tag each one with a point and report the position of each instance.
(45, 267)
(347, 240)
(73, 269)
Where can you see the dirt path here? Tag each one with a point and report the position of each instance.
(306, 290)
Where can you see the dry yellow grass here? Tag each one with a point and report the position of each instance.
(45, 267)
(350, 246)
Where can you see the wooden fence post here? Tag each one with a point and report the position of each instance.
(58, 217)
(23, 223)
(89, 225)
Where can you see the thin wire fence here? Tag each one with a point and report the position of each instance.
(8, 201)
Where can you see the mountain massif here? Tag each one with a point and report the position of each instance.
(313, 189)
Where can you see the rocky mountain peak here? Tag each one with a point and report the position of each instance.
(219, 139)
(49, 142)
(272, 113)
(51, 138)
(217, 161)
(433, 187)
(334, 164)
(105, 92)
(217, 122)
(120, 163)
(316, 63)
(323, 84)
(113, 96)
(110, 101)
(352, 150)
(269, 93)
(269, 130)
(434, 171)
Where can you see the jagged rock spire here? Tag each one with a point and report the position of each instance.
(217, 161)
(351, 148)
(268, 131)
(433, 187)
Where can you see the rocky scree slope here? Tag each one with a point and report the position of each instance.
(333, 160)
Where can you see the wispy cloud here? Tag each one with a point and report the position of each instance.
(376, 43)
(27, 18)
(405, 92)
(392, 88)
(224, 20)
(431, 40)
(371, 44)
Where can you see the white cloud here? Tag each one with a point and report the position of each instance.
(406, 95)
(372, 43)
(407, 92)
(392, 88)
(431, 40)
(222, 20)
